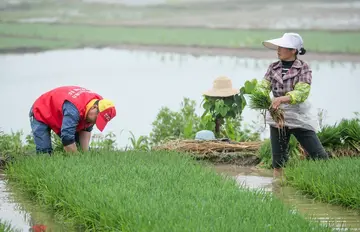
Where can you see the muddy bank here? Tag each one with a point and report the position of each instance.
(199, 51)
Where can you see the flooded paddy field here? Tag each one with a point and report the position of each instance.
(314, 15)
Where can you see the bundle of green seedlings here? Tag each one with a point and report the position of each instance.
(262, 102)
(342, 138)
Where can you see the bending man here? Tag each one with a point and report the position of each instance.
(71, 112)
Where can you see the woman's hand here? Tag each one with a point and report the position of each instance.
(276, 102)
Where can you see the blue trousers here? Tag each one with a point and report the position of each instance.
(42, 135)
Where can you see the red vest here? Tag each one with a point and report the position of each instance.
(48, 107)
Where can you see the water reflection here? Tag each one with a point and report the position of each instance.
(141, 83)
(253, 178)
(9, 210)
(21, 213)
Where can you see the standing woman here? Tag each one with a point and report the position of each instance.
(289, 79)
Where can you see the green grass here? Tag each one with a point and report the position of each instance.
(108, 35)
(6, 227)
(10, 43)
(335, 181)
(157, 191)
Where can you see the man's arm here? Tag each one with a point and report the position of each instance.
(70, 121)
(84, 138)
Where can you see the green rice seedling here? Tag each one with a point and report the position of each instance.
(334, 181)
(343, 137)
(6, 227)
(351, 132)
(262, 102)
(264, 154)
(149, 191)
(330, 136)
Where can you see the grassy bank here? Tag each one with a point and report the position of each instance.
(335, 181)
(140, 191)
(51, 36)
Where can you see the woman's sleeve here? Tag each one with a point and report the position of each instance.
(301, 89)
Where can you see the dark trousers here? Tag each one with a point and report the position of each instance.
(42, 135)
(308, 139)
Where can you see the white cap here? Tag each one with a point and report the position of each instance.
(288, 40)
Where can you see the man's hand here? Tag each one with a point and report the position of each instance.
(84, 138)
(278, 101)
(71, 148)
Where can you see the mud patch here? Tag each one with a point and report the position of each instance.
(236, 158)
(22, 50)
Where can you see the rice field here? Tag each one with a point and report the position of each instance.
(148, 191)
(72, 35)
(335, 181)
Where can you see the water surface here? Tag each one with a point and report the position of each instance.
(140, 83)
(22, 214)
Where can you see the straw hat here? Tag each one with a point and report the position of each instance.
(222, 87)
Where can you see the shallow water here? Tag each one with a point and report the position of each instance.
(254, 178)
(21, 214)
(140, 83)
